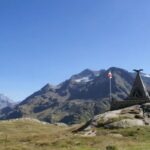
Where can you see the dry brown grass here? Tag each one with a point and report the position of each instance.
(31, 135)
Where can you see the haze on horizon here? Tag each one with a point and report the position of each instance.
(50, 40)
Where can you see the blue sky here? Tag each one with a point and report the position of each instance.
(45, 41)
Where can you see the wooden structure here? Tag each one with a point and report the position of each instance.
(138, 94)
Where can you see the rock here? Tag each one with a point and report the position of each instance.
(61, 124)
(133, 112)
(123, 118)
(125, 123)
(146, 107)
(137, 115)
(146, 113)
(90, 133)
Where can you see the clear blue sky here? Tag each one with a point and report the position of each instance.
(45, 41)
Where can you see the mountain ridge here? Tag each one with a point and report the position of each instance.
(77, 99)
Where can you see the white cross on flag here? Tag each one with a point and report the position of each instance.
(109, 75)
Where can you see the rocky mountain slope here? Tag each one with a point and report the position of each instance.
(76, 99)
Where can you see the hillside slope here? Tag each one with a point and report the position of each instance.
(27, 134)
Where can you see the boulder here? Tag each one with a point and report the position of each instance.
(137, 115)
(123, 118)
(126, 115)
(125, 123)
(61, 124)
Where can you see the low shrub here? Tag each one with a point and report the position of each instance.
(111, 147)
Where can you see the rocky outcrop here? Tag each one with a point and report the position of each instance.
(126, 123)
(137, 115)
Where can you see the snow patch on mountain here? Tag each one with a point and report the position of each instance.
(146, 75)
(83, 79)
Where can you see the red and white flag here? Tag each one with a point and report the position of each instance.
(109, 75)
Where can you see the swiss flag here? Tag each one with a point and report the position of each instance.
(109, 75)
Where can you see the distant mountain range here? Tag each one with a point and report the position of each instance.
(76, 99)
(5, 101)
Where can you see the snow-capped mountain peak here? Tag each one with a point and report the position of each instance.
(85, 76)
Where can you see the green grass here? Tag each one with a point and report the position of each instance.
(30, 135)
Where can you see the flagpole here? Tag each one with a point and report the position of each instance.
(110, 89)
(110, 77)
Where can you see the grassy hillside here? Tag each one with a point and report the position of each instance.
(34, 135)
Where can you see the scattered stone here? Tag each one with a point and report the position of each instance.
(60, 124)
(90, 133)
